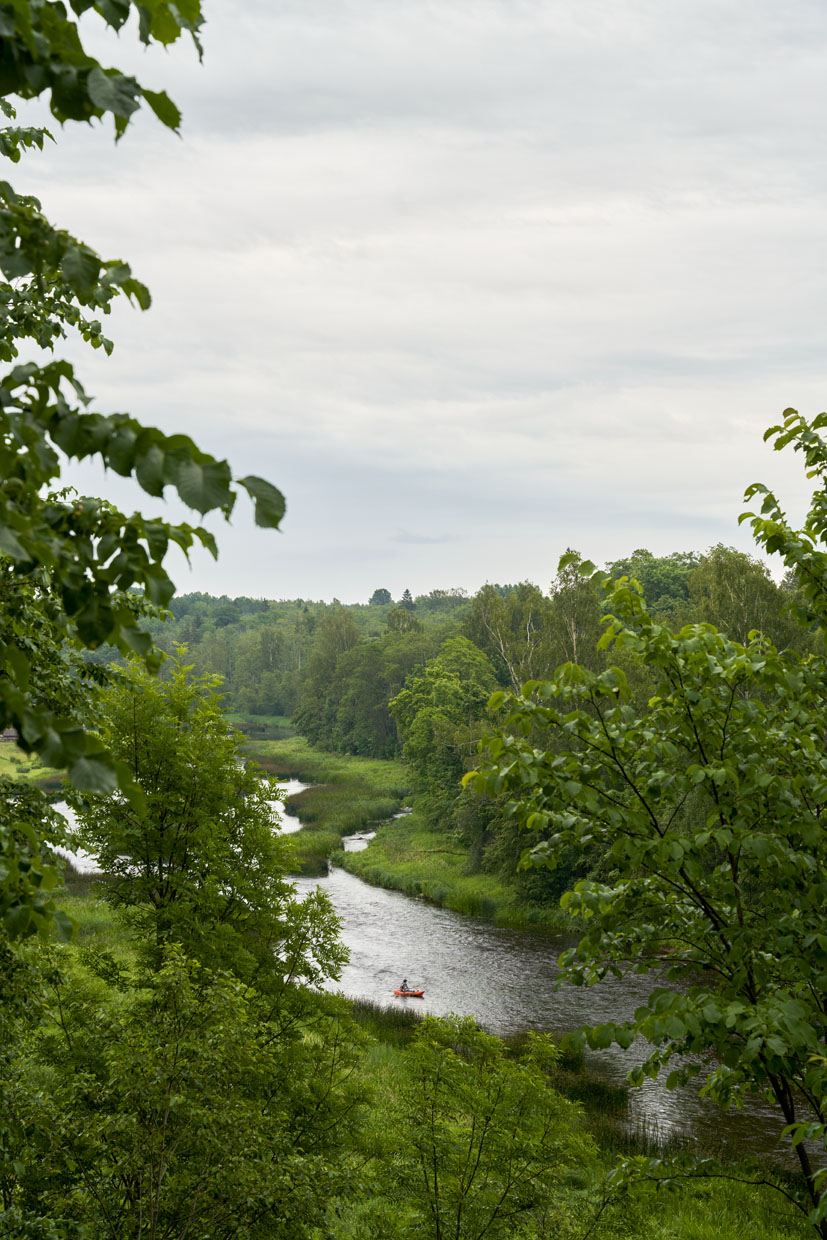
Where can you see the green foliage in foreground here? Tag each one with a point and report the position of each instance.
(465, 1077)
(366, 1175)
(171, 1073)
(707, 805)
(162, 1104)
(74, 571)
(486, 1146)
(198, 862)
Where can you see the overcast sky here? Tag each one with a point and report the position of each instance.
(471, 282)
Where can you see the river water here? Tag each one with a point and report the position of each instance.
(505, 978)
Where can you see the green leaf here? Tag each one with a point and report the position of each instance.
(18, 921)
(114, 12)
(10, 544)
(136, 291)
(157, 538)
(18, 665)
(112, 91)
(164, 108)
(66, 928)
(158, 587)
(80, 268)
(137, 640)
(120, 451)
(207, 540)
(149, 470)
(204, 486)
(268, 500)
(93, 774)
(601, 1036)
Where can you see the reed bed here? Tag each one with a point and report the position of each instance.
(295, 758)
(343, 806)
(392, 1024)
(346, 795)
(312, 850)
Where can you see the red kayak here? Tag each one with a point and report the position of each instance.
(410, 994)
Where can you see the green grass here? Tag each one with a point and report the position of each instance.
(15, 764)
(295, 758)
(694, 1208)
(312, 850)
(406, 856)
(706, 1209)
(391, 1024)
(345, 806)
(96, 922)
(98, 927)
(262, 727)
(351, 793)
(348, 794)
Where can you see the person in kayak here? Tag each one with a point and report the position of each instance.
(404, 985)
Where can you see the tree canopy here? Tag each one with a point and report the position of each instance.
(199, 858)
(71, 565)
(707, 805)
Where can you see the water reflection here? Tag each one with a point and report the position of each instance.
(290, 788)
(505, 978)
(356, 843)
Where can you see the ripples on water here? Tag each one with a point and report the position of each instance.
(505, 978)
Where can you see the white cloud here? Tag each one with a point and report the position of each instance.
(503, 275)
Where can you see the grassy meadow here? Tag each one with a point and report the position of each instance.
(406, 856)
(347, 794)
(351, 793)
(17, 765)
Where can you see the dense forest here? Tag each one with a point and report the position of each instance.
(412, 678)
(334, 668)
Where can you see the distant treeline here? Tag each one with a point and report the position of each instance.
(334, 668)
(413, 676)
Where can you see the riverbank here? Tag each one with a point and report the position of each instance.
(347, 794)
(702, 1207)
(350, 794)
(406, 856)
(27, 768)
(720, 1203)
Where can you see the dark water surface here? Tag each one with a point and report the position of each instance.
(505, 979)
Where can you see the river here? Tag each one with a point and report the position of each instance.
(505, 978)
